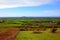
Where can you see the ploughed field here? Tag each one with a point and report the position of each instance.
(8, 33)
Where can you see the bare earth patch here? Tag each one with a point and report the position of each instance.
(9, 34)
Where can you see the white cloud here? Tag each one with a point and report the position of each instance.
(22, 3)
(53, 13)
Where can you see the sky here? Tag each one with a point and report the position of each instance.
(30, 8)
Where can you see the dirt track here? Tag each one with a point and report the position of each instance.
(10, 34)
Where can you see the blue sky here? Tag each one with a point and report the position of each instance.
(35, 8)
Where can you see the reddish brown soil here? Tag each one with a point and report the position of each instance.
(10, 34)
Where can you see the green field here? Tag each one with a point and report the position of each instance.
(32, 22)
(46, 35)
(20, 22)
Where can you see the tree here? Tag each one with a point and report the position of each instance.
(54, 30)
(53, 27)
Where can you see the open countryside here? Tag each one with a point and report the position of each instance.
(30, 28)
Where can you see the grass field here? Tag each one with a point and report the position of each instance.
(29, 35)
(11, 22)
(32, 22)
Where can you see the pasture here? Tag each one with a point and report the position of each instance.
(46, 35)
(27, 23)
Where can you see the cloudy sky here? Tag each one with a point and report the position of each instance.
(40, 8)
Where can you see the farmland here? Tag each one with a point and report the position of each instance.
(29, 35)
(31, 28)
(32, 22)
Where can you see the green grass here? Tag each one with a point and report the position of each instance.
(10, 22)
(8, 25)
(29, 35)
